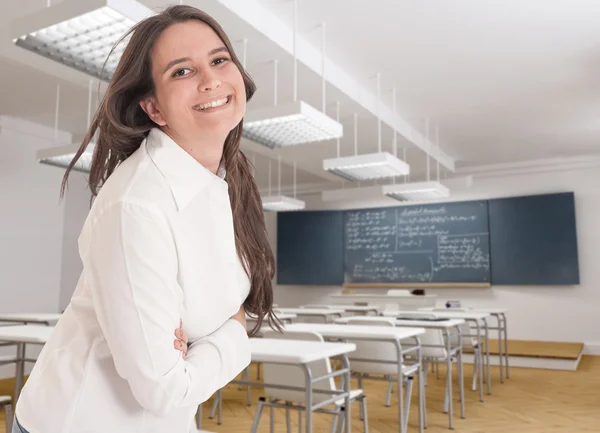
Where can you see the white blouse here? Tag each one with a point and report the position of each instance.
(158, 245)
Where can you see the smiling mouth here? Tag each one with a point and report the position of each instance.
(217, 103)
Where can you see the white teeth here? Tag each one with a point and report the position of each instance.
(212, 104)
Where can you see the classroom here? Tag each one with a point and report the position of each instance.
(400, 199)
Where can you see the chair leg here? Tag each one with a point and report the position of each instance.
(300, 417)
(257, 416)
(9, 417)
(249, 396)
(272, 420)
(288, 419)
(363, 405)
(220, 412)
(388, 398)
(258, 370)
(423, 390)
(447, 393)
(215, 404)
(408, 395)
(341, 421)
(475, 368)
(198, 417)
(334, 420)
(245, 376)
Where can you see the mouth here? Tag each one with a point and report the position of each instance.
(213, 105)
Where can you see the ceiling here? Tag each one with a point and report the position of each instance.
(503, 81)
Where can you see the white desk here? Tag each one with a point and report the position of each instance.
(502, 328)
(475, 318)
(327, 314)
(396, 301)
(301, 353)
(283, 317)
(445, 326)
(25, 318)
(376, 333)
(362, 309)
(22, 335)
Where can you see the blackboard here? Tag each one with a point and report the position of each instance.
(447, 242)
(534, 240)
(310, 248)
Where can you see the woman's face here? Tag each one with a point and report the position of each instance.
(198, 88)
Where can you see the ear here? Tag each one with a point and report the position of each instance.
(149, 105)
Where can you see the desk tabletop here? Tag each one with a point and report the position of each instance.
(356, 331)
(280, 316)
(311, 311)
(295, 351)
(450, 323)
(349, 307)
(26, 333)
(468, 315)
(30, 317)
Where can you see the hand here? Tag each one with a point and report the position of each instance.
(240, 316)
(181, 343)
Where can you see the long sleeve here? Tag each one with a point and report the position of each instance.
(131, 268)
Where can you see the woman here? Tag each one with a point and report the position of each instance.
(175, 235)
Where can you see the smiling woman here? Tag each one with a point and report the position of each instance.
(175, 240)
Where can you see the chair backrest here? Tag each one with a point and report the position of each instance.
(321, 306)
(432, 337)
(293, 375)
(465, 328)
(378, 350)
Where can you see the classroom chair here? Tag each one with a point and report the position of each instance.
(291, 375)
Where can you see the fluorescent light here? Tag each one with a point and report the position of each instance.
(289, 125)
(80, 33)
(61, 156)
(279, 203)
(367, 166)
(416, 191)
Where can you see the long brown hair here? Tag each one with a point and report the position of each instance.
(121, 126)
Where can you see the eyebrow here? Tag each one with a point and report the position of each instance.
(186, 59)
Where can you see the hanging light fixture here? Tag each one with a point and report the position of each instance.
(293, 123)
(279, 202)
(371, 165)
(420, 191)
(80, 33)
(61, 156)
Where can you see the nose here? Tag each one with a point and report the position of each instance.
(209, 82)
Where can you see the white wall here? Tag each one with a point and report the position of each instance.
(31, 222)
(77, 206)
(546, 313)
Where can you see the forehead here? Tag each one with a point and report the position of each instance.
(190, 39)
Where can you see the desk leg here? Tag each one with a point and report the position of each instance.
(421, 399)
(480, 360)
(19, 372)
(461, 375)
(449, 379)
(487, 357)
(400, 393)
(346, 365)
(308, 398)
(505, 327)
(500, 349)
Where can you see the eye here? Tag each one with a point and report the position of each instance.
(181, 72)
(220, 60)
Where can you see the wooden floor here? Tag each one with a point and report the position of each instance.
(531, 401)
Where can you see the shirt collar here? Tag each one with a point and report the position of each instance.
(185, 176)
